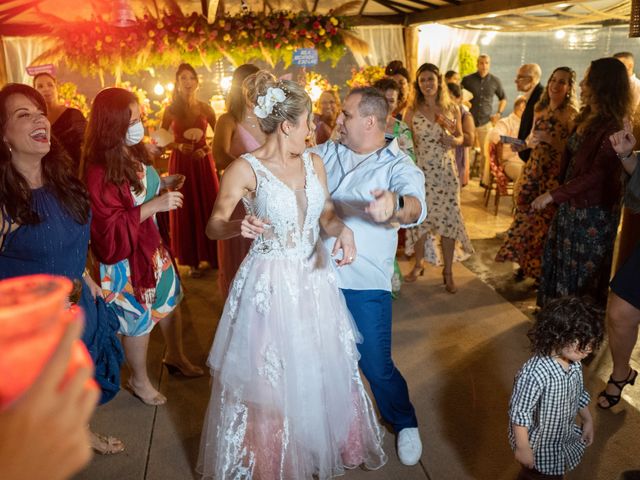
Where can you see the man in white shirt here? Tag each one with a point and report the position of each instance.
(509, 126)
(634, 82)
(375, 188)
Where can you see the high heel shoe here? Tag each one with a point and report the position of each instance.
(447, 279)
(154, 401)
(414, 274)
(191, 371)
(613, 400)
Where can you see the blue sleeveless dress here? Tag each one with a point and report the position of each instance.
(58, 245)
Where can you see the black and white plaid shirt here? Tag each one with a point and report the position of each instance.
(546, 400)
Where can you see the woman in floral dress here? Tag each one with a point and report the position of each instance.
(553, 121)
(435, 122)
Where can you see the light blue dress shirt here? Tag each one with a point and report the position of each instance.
(351, 178)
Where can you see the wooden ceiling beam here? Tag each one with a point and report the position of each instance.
(373, 20)
(425, 4)
(384, 3)
(474, 9)
(401, 7)
(364, 4)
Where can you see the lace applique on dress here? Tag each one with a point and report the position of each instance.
(272, 365)
(292, 215)
(262, 294)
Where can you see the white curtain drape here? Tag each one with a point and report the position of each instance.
(19, 52)
(438, 44)
(386, 43)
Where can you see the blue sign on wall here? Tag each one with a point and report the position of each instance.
(305, 57)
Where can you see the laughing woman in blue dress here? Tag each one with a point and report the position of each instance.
(44, 228)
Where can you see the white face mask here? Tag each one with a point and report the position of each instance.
(135, 133)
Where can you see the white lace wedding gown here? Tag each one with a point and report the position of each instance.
(287, 400)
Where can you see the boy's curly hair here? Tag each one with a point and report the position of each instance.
(565, 320)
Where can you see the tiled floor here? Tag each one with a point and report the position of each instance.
(459, 354)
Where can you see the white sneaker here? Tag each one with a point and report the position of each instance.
(409, 446)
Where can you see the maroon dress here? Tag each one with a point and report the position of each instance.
(189, 244)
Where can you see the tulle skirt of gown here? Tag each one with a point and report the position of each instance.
(287, 400)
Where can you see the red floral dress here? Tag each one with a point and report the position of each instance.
(524, 242)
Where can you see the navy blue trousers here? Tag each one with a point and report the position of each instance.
(371, 310)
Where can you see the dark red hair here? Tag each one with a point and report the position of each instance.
(104, 142)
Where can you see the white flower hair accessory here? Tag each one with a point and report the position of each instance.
(267, 101)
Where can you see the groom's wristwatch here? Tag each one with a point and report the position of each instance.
(399, 203)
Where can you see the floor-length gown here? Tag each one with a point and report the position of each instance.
(578, 253)
(287, 400)
(189, 244)
(442, 185)
(58, 245)
(527, 234)
(231, 252)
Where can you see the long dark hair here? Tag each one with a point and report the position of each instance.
(570, 99)
(608, 82)
(442, 97)
(235, 98)
(104, 142)
(57, 172)
(178, 106)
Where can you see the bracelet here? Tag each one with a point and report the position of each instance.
(86, 273)
(624, 157)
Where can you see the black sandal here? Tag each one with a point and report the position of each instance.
(613, 400)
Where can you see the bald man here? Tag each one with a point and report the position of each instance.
(528, 82)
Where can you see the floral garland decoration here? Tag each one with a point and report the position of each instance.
(366, 76)
(95, 46)
(69, 96)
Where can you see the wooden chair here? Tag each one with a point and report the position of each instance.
(498, 180)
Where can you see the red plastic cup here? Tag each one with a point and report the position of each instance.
(33, 318)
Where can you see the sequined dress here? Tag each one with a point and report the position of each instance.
(287, 399)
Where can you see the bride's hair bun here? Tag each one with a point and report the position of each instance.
(281, 100)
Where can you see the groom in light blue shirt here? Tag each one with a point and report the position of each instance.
(376, 188)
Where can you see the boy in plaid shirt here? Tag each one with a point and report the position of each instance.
(549, 392)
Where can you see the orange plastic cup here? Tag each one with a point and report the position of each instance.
(33, 317)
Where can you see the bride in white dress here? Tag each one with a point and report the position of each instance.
(287, 400)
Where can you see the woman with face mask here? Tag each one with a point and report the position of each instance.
(191, 156)
(137, 272)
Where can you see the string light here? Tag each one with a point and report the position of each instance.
(158, 89)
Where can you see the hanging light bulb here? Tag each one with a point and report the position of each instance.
(170, 86)
(560, 34)
(123, 15)
(158, 89)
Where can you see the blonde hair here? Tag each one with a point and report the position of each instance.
(296, 101)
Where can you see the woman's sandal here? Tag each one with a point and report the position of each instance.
(613, 400)
(106, 445)
(414, 274)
